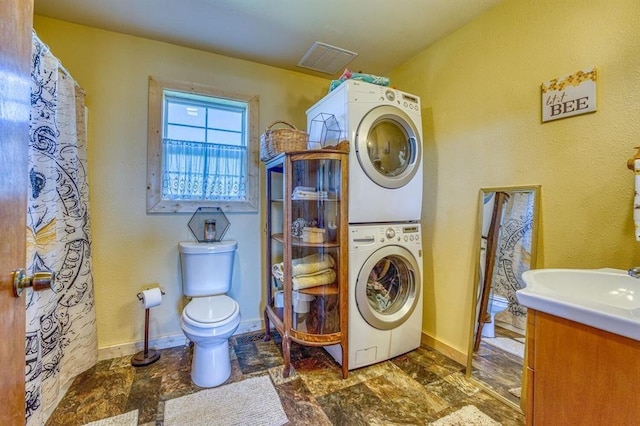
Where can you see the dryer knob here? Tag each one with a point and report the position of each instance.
(390, 94)
(390, 233)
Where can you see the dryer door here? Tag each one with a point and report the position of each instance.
(388, 287)
(388, 146)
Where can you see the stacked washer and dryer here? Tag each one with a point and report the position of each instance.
(384, 130)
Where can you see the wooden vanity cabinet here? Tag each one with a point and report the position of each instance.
(580, 375)
(306, 254)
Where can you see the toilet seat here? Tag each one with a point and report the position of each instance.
(212, 311)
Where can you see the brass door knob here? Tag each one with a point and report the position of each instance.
(38, 282)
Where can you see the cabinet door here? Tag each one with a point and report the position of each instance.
(315, 246)
(275, 232)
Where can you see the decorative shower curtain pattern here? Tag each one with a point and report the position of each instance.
(61, 324)
(513, 256)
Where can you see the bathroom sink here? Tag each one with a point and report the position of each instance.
(607, 299)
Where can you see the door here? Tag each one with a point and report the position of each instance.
(388, 146)
(15, 92)
(387, 287)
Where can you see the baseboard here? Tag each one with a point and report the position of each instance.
(126, 349)
(444, 349)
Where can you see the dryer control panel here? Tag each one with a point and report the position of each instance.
(384, 234)
(366, 92)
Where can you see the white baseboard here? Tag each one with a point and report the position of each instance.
(126, 349)
(444, 349)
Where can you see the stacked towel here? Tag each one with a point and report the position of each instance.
(369, 78)
(308, 193)
(311, 264)
(324, 277)
(308, 271)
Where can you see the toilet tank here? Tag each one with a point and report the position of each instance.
(206, 267)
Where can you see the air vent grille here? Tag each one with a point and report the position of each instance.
(325, 58)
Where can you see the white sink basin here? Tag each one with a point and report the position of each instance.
(607, 299)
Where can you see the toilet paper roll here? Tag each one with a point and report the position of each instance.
(151, 297)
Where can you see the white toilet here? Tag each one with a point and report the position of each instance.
(211, 317)
(497, 304)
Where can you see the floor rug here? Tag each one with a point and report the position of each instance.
(468, 415)
(126, 419)
(517, 392)
(506, 344)
(249, 402)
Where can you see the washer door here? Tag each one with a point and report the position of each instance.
(387, 287)
(388, 146)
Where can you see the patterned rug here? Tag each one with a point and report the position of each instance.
(248, 402)
(468, 415)
(126, 419)
(506, 344)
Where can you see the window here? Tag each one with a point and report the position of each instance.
(202, 148)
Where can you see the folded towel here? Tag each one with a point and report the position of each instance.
(324, 277)
(369, 78)
(310, 264)
(307, 192)
(304, 189)
(303, 194)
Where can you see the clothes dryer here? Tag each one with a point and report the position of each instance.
(385, 293)
(384, 129)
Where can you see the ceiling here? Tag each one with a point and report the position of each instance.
(384, 33)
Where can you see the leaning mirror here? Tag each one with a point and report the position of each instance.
(507, 233)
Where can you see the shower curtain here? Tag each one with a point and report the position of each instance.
(61, 325)
(513, 255)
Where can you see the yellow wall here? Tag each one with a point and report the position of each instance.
(131, 249)
(480, 90)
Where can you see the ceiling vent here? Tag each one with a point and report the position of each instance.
(325, 58)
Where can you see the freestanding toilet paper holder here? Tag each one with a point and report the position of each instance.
(147, 356)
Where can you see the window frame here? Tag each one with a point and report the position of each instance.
(155, 202)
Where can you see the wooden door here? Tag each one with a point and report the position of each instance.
(15, 93)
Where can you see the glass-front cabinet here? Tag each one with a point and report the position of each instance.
(306, 256)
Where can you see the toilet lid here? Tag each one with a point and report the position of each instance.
(211, 309)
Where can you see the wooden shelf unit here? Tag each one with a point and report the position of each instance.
(323, 320)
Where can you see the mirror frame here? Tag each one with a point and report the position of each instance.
(536, 189)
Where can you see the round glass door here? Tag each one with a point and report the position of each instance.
(387, 288)
(388, 147)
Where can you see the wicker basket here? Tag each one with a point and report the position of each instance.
(273, 142)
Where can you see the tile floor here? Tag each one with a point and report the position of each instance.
(412, 389)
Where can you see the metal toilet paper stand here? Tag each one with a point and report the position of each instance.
(147, 356)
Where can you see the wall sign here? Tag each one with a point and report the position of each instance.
(571, 95)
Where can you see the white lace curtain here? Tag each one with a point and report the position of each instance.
(203, 171)
(61, 324)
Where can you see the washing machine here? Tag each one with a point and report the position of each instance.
(385, 293)
(384, 129)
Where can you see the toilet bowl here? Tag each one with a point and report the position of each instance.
(211, 317)
(208, 322)
(497, 304)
